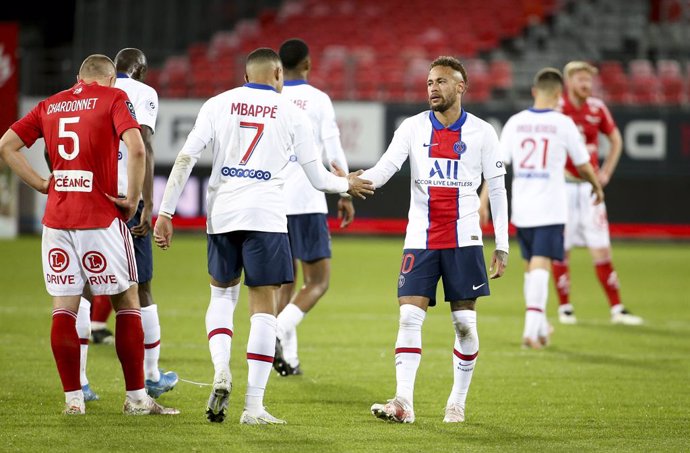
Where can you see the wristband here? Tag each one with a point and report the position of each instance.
(165, 214)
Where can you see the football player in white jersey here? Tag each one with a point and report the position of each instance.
(310, 240)
(131, 67)
(254, 133)
(449, 151)
(537, 141)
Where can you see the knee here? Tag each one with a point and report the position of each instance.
(411, 316)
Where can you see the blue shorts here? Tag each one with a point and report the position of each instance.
(544, 241)
(143, 253)
(462, 269)
(265, 257)
(310, 239)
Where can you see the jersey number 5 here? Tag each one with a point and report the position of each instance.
(530, 145)
(255, 141)
(64, 133)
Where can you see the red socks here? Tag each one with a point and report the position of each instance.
(66, 348)
(561, 276)
(129, 344)
(100, 308)
(609, 281)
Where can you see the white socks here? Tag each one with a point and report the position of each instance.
(465, 353)
(260, 352)
(219, 324)
(408, 350)
(84, 332)
(152, 342)
(536, 294)
(288, 320)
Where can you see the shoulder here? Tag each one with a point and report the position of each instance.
(473, 121)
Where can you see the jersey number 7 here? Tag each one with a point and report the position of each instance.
(255, 141)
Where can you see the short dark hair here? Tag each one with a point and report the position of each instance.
(548, 79)
(263, 54)
(293, 52)
(450, 62)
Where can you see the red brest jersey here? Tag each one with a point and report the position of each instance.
(82, 128)
(590, 118)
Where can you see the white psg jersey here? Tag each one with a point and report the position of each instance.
(447, 166)
(145, 102)
(254, 133)
(300, 196)
(537, 143)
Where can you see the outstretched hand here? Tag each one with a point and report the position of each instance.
(358, 187)
(163, 232)
(499, 262)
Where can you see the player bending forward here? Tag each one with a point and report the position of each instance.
(253, 132)
(449, 150)
(85, 238)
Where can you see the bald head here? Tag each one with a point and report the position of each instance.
(132, 62)
(98, 68)
(264, 66)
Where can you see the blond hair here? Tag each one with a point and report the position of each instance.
(576, 66)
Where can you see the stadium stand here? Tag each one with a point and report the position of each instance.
(637, 45)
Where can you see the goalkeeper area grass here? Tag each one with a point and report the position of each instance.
(598, 387)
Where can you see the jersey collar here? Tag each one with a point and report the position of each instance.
(122, 75)
(453, 127)
(533, 110)
(294, 83)
(259, 86)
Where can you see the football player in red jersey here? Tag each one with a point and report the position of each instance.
(587, 224)
(85, 238)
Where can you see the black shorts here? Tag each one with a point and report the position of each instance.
(310, 239)
(462, 269)
(265, 257)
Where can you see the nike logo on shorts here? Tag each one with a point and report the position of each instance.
(474, 288)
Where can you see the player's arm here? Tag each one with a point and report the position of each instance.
(498, 199)
(336, 156)
(10, 152)
(611, 161)
(393, 159)
(136, 156)
(586, 171)
(147, 191)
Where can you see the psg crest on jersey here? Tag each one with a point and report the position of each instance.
(459, 148)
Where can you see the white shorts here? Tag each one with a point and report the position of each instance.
(103, 258)
(587, 224)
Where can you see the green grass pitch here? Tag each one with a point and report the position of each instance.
(599, 387)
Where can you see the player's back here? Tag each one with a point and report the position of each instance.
(253, 129)
(81, 127)
(537, 143)
(145, 101)
(300, 196)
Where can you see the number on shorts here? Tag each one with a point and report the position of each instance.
(407, 263)
(255, 141)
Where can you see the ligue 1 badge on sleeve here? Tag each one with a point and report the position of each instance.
(459, 148)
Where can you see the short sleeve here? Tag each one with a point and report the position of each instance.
(147, 109)
(123, 114)
(30, 128)
(607, 124)
(492, 162)
(574, 143)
